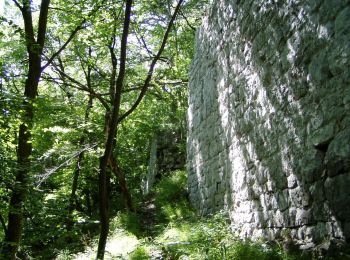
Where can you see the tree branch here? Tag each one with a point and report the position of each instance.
(174, 83)
(111, 47)
(131, 89)
(141, 41)
(48, 172)
(154, 61)
(79, 86)
(70, 38)
(42, 22)
(17, 4)
(59, 9)
(188, 23)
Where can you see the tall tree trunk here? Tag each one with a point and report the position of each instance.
(115, 118)
(35, 45)
(24, 147)
(112, 85)
(112, 135)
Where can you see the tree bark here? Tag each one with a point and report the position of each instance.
(122, 182)
(153, 64)
(88, 201)
(115, 118)
(113, 162)
(24, 147)
(3, 223)
(112, 135)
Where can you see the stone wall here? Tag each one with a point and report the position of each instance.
(269, 118)
(167, 154)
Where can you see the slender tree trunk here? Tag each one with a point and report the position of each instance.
(72, 199)
(3, 224)
(115, 118)
(122, 182)
(24, 151)
(112, 135)
(88, 201)
(112, 86)
(103, 207)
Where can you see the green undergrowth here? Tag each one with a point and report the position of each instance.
(178, 232)
(166, 227)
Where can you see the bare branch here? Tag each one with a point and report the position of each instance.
(88, 73)
(76, 84)
(111, 47)
(141, 40)
(43, 177)
(131, 89)
(188, 23)
(154, 61)
(59, 9)
(178, 82)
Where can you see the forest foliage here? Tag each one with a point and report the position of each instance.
(60, 63)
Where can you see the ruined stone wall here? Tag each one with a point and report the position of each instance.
(167, 154)
(269, 118)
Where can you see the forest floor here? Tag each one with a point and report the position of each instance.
(164, 226)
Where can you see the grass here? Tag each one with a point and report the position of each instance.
(177, 232)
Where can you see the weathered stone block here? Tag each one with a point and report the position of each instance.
(317, 191)
(299, 197)
(303, 217)
(311, 165)
(322, 135)
(338, 154)
(320, 232)
(341, 22)
(338, 194)
(292, 181)
(282, 200)
(269, 110)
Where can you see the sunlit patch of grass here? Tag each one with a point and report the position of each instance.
(171, 188)
(119, 245)
(130, 221)
(170, 198)
(171, 234)
(141, 253)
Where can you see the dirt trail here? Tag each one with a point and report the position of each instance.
(149, 217)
